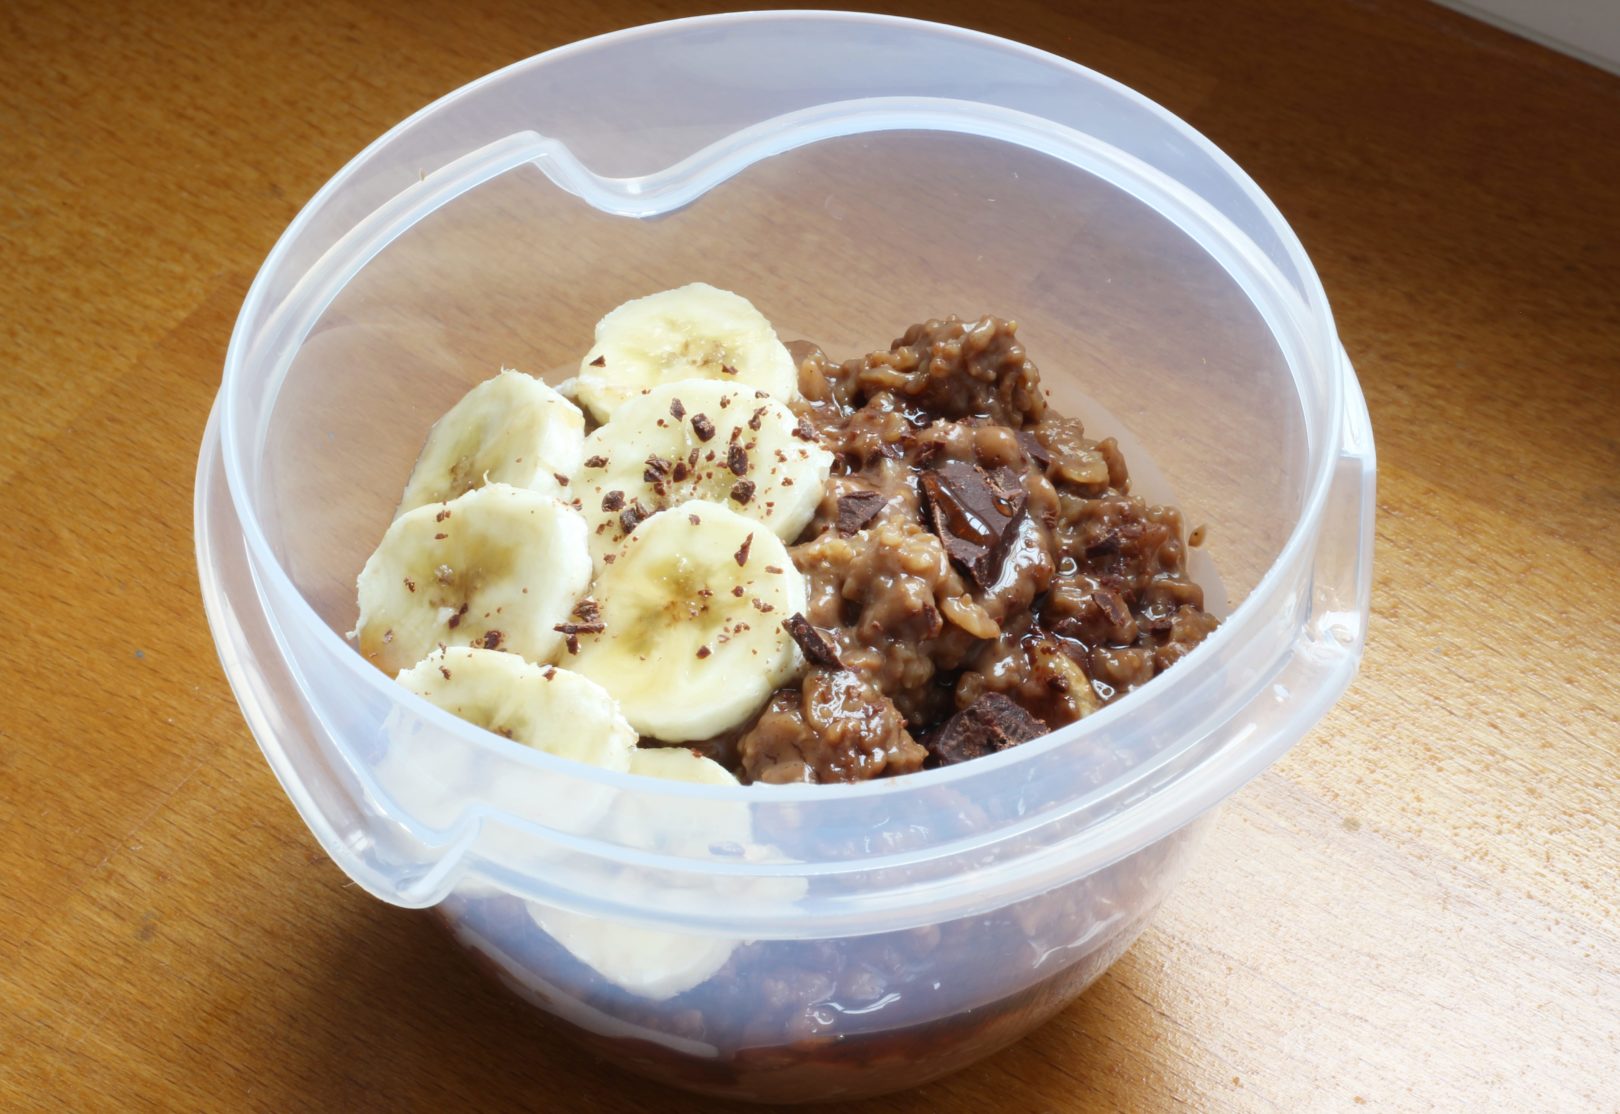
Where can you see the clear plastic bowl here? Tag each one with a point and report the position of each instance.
(850, 174)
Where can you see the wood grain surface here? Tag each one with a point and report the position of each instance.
(1415, 910)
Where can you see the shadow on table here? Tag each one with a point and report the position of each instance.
(405, 1021)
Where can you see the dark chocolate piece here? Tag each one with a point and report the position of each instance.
(703, 426)
(857, 509)
(991, 723)
(742, 491)
(1005, 485)
(818, 648)
(1112, 606)
(1033, 449)
(972, 516)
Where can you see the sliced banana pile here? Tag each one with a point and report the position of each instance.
(700, 439)
(569, 592)
(664, 574)
(693, 332)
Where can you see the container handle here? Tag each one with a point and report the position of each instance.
(1341, 580)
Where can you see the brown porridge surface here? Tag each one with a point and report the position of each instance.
(978, 571)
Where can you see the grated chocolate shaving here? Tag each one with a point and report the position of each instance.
(633, 515)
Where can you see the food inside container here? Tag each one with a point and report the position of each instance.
(894, 893)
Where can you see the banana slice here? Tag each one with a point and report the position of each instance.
(511, 429)
(699, 439)
(498, 567)
(692, 609)
(692, 332)
(540, 706)
(679, 764)
(652, 963)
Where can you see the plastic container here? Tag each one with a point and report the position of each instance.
(850, 174)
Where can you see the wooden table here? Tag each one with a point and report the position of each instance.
(1416, 910)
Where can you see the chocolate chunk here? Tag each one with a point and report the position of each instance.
(682, 470)
(657, 469)
(1033, 449)
(818, 648)
(737, 459)
(492, 639)
(1112, 606)
(727, 369)
(857, 509)
(588, 610)
(703, 426)
(633, 515)
(676, 410)
(974, 521)
(742, 491)
(600, 361)
(612, 501)
(754, 419)
(596, 462)
(991, 723)
(803, 430)
(742, 551)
